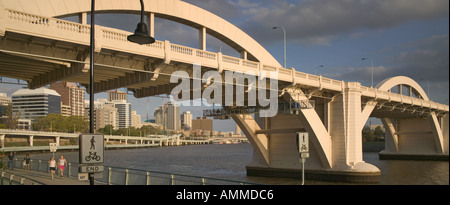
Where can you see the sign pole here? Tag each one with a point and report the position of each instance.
(303, 170)
(303, 150)
(91, 83)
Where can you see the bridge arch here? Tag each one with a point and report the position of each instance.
(174, 10)
(403, 130)
(389, 83)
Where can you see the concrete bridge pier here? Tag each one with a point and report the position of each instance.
(30, 140)
(335, 130)
(2, 140)
(417, 138)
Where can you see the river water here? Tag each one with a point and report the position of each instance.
(229, 161)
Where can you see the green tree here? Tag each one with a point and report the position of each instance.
(107, 130)
(58, 123)
(378, 131)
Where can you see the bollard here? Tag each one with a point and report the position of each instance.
(126, 176)
(172, 177)
(109, 176)
(203, 181)
(69, 165)
(148, 178)
(11, 176)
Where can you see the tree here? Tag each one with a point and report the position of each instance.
(58, 123)
(107, 130)
(378, 131)
(12, 117)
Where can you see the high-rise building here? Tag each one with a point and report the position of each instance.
(105, 113)
(159, 115)
(30, 104)
(168, 116)
(116, 95)
(187, 120)
(173, 117)
(124, 110)
(71, 95)
(4, 99)
(4, 102)
(135, 120)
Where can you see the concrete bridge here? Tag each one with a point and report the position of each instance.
(111, 141)
(40, 48)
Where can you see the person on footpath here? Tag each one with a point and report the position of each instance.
(11, 160)
(52, 165)
(27, 162)
(62, 165)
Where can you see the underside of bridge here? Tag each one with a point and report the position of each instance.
(40, 49)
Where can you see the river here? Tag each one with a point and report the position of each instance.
(229, 161)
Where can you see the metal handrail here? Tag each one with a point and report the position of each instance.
(129, 176)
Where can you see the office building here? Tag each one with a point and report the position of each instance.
(124, 110)
(135, 120)
(116, 95)
(105, 113)
(159, 115)
(202, 124)
(71, 96)
(187, 120)
(173, 117)
(30, 104)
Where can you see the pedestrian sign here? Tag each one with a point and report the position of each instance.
(303, 143)
(91, 148)
(53, 147)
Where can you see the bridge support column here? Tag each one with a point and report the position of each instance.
(335, 133)
(57, 140)
(202, 38)
(2, 140)
(416, 138)
(30, 140)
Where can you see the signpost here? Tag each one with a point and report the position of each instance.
(53, 148)
(91, 158)
(303, 150)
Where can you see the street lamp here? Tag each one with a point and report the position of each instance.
(140, 35)
(371, 62)
(284, 31)
(320, 66)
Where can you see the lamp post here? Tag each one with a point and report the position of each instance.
(371, 62)
(284, 31)
(140, 36)
(320, 66)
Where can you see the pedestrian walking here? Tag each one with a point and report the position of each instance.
(52, 165)
(62, 165)
(27, 162)
(11, 160)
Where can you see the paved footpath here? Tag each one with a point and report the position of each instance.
(42, 178)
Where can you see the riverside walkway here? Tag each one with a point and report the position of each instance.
(21, 176)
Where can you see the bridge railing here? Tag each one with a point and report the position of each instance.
(126, 176)
(11, 179)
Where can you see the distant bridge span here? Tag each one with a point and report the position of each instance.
(39, 48)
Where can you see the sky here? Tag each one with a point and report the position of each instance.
(401, 37)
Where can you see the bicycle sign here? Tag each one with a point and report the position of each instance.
(91, 148)
(93, 156)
